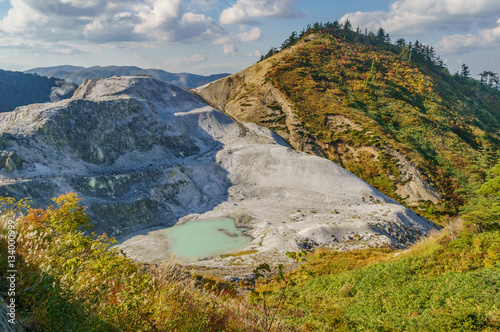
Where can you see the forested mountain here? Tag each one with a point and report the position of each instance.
(77, 74)
(390, 113)
(17, 89)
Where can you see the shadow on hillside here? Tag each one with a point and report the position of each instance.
(126, 205)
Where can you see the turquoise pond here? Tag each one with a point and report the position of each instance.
(199, 239)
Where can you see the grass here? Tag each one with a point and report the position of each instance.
(437, 285)
(68, 280)
(71, 281)
(241, 253)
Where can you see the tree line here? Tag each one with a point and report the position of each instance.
(408, 51)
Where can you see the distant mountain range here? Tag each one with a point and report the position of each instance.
(17, 89)
(77, 74)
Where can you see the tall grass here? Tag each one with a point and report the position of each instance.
(68, 280)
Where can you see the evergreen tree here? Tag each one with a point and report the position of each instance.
(400, 42)
(490, 79)
(465, 73)
(483, 77)
(381, 35)
(347, 25)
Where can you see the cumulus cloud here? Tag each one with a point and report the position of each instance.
(415, 17)
(409, 17)
(102, 21)
(249, 11)
(229, 49)
(253, 34)
(245, 36)
(461, 43)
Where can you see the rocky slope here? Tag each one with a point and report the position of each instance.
(250, 96)
(409, 128)
(143, 153)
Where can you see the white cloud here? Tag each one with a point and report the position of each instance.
(461, 43)
(229, 49)
(254, 34)
(410, 17)
(415, 17)
(101, 21)
(249, 11)
(245, 36)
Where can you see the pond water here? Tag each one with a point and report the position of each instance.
(206, 238)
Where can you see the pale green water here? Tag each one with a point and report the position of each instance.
(205, 238)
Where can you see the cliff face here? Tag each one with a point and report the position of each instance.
(144, 153)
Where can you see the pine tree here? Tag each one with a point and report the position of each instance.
(347, 25)
(381, 35)
(465, 73)
(400, 42)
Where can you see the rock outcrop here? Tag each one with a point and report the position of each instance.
(111, 144)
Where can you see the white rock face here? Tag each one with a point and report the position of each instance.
(141, 128)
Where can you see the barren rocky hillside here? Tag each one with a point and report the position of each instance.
(143, 153)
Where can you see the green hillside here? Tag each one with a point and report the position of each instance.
(400, 97)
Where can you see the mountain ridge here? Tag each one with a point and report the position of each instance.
(78, 74)
(403, 127)
(17, 89)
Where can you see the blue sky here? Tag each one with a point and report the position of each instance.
(207, 36)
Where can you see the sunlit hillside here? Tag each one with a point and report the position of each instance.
(377, 109)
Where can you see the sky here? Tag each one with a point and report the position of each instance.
(208, 37)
